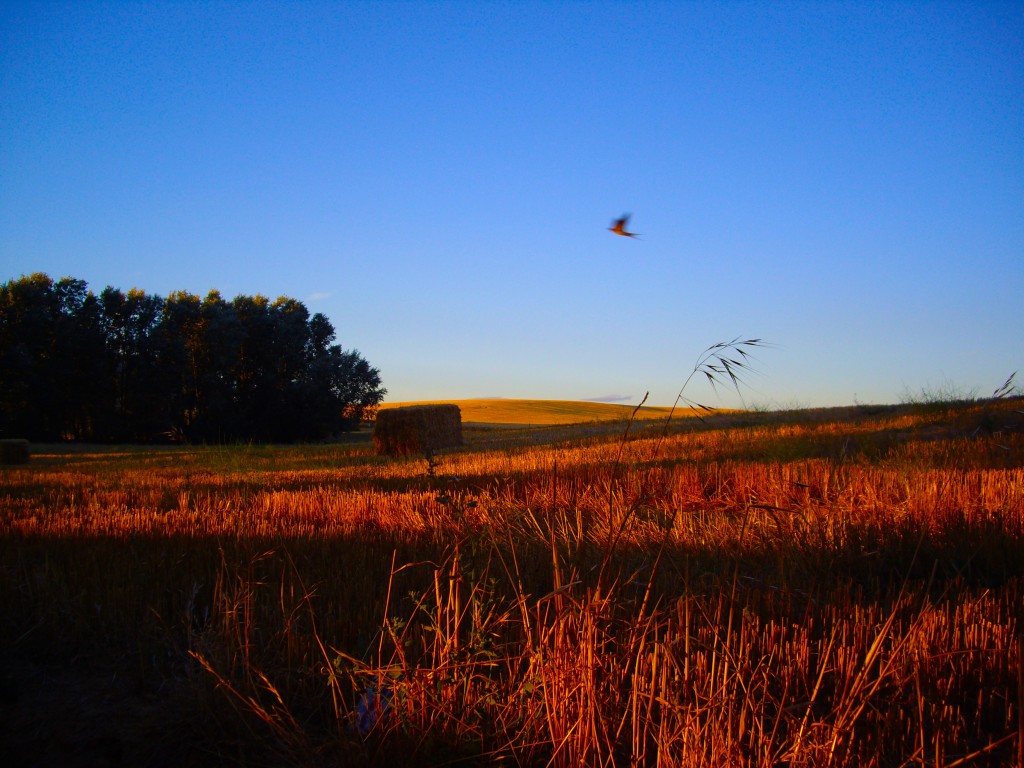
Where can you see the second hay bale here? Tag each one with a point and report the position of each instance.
(417, 429)
(14, 451)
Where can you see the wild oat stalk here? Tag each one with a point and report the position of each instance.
(723, 364)
(1007, 389)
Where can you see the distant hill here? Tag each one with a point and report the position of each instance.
(542, 412)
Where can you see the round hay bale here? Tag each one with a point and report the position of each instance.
(13, 451)
(417, 429)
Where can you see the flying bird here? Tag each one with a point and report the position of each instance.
(618, 227)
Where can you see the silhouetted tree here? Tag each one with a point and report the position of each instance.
(29, 314)
(50, 346)
(133, 367)
(82, 386)
(133, 354)
(181, 341)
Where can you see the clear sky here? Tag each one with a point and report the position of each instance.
(845, 180)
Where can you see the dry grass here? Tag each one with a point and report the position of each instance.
(543, 412)
(829, 588)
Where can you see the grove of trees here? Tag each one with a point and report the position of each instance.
(118, 367)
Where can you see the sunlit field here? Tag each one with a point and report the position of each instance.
(538, 412)
(812, 588)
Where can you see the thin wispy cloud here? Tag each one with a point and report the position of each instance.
(609, 399)
(319, 296)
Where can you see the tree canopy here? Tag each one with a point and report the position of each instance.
(135, 367)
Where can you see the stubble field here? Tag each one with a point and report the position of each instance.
(838, 587)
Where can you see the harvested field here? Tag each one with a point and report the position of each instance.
(810, 588)
(508, 412)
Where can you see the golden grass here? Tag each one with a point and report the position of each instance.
(780, 589)
(543, 412)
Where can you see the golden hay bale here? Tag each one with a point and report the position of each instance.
(417, 429)
(13, 451)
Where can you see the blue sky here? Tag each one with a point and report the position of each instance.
(845, 180)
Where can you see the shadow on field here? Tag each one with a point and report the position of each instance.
(798, 531)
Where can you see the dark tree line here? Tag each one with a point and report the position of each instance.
(133, 367)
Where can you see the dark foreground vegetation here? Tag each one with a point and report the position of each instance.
(804, 589)
(119, 367)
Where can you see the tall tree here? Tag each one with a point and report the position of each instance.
(51, 343)
(181, 341)
(133, 354)
(130, 366)
(79, 366)
(28, 334)
(218, 415)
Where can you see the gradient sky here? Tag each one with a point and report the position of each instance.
(845, 180)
